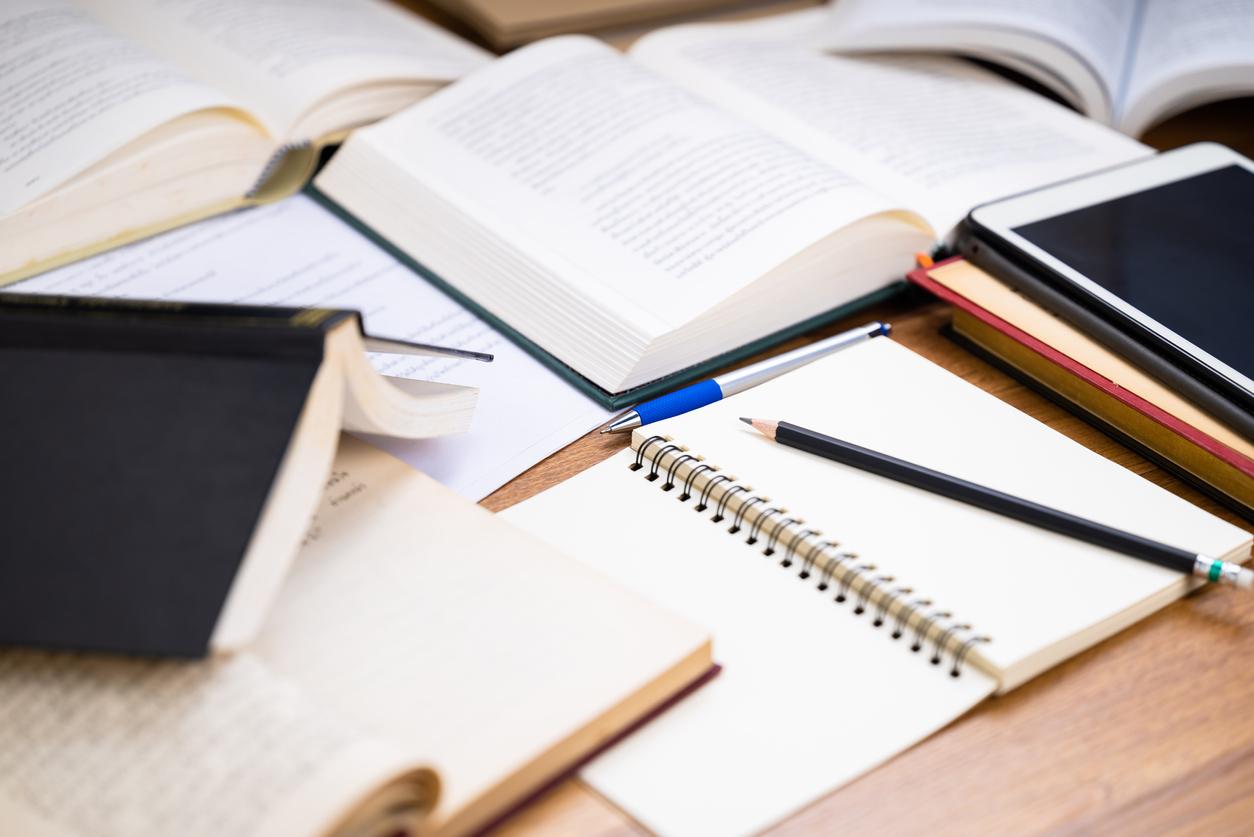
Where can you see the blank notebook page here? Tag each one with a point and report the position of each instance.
(812, 695)
(1041, 596)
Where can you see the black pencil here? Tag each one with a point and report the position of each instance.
(1191, 563)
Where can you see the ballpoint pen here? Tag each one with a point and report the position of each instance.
(714, 389)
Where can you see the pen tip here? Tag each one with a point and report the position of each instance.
(747, 421)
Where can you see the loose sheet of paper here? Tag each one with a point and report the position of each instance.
(298, 253)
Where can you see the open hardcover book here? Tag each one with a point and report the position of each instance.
(426, 668)
(1127, 63)
(853, 615)
(122, 117)
(633, 217)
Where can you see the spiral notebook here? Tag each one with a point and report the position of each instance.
(819, 580)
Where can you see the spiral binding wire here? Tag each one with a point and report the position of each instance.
(831, 567)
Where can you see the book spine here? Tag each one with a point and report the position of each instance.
(898, 608)
(1148, 409)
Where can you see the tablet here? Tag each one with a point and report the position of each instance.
(1162, 248)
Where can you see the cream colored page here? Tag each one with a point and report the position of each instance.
(624, 185)
(72, 92)
(429, 620)
(810, 695)
(283, 58)
(1000, 300)
(937, 134)
(1096, 32)
(107, 747)
(1026, 588)
(1187, 53)
(295, 252)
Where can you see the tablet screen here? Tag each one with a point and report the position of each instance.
(1182, 253)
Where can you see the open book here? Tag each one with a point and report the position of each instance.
(637, 216)
(119, 117)
(426, 668)
(1127, 63)
(853, 615)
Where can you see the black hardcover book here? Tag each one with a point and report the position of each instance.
(162, 461)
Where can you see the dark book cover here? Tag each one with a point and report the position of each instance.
(139, 443)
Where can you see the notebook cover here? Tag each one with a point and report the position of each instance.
(1147, 408)
(140, 443)
(607, 399)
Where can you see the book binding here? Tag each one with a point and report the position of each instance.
(821, 560)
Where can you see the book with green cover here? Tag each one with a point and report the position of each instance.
(613, 400)
(638, 221)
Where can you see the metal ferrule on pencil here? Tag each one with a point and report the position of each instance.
(1223, 572)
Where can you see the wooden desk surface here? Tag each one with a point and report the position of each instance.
(1150, 731)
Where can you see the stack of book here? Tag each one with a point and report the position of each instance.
(1070, 367)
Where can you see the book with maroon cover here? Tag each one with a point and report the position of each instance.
(1169, 440)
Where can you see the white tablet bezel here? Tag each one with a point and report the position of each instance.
(1000, 219)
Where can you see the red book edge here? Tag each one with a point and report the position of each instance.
(572, 770)
(1150, 410)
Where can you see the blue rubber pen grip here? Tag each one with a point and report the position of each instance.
(679, 402)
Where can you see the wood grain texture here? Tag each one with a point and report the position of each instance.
(1151, 731)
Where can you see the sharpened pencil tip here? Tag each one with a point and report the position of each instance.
(764, 426)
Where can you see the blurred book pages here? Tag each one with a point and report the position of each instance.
(121, 118)
(403, 684)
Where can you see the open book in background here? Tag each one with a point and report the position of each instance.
(1128, 63)
(634, 217)
(420, 648)
(853, 615)
(122, 117)
(166, 458)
